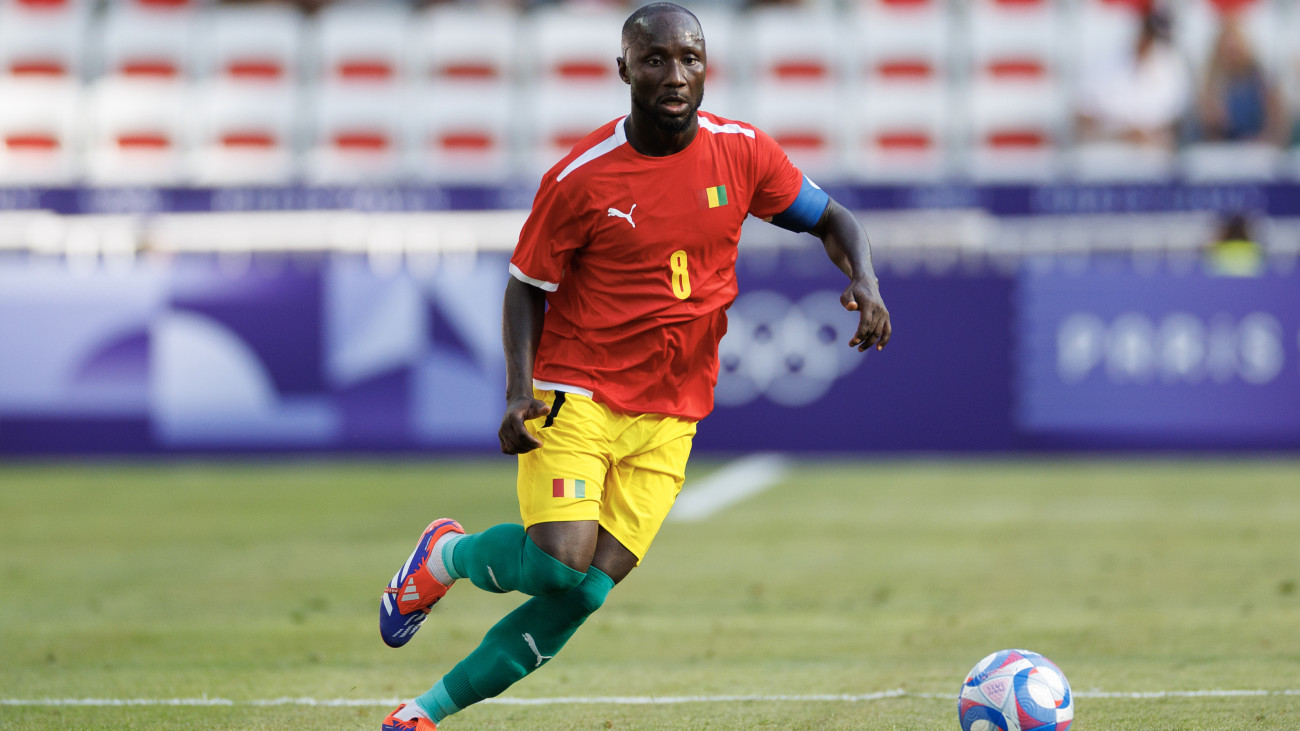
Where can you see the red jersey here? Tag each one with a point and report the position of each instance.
(637, 255)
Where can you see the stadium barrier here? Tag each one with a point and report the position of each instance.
(357, 320)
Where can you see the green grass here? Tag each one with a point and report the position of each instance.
(250, 581)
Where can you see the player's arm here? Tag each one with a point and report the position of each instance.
(847, 245)
(522, 315)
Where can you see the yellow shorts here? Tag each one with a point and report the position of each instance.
(623, 470)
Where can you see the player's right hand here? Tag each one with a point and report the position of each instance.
(514, 434)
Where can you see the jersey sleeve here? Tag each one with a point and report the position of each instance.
(776, 180)
(553, 231)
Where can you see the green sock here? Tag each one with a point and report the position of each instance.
(517, 645)
(503, 558)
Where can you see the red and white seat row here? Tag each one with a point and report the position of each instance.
(183, 92)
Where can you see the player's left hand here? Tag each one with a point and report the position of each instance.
(863, 297)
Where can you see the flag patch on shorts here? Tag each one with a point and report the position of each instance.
(568, 488)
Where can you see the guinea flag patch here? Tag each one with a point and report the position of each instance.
(568, 488)
(716, 196)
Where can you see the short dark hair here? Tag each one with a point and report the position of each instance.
(645, 11)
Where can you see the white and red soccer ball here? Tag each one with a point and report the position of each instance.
(1015, 690)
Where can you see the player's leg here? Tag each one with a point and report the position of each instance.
(637, 494)
(531, 635)
(560, 488)
(528, 637)
(504, 558)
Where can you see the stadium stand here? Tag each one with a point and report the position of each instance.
(794, 62)
(900, 91)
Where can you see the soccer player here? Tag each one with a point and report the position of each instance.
(612, 317)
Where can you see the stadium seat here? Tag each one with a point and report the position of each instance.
(1015, 132)
(1215, 162)
(358, 135)
(258, 44)
(556, 122)
(147, 44)
(464, 137)
(39, 125)
(1014, 41)
(572, 87)
(897, 43)
(1016, 106)
(899, 134)
(793, 48)
(806, 124)
(43, 41)
(139, 133)
(245, 134)
(573, 48)
(361, 44)
(464, 46)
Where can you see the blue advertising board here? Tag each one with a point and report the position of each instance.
(325, 354)
(1121, 358)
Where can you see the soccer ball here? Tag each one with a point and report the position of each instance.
(1015, 690)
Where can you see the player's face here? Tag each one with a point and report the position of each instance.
(664, 65)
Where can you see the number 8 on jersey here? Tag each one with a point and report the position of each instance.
(681, 277)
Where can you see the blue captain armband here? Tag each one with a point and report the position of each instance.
(806, 210)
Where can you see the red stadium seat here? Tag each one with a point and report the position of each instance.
(39, 124)
(898, 43)
(245, 135)
(43, 41)
(790, 47)
(362, 44)
(464, 46)
(555, 123)
(1015, 133)
(571, 47)
(140, 132)
(256, 44)
(146, 44)
(899, 134)
(807, 124)
(358, 136)
(465, 136)
(1014, 40)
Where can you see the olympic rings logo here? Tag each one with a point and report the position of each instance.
(789, 352)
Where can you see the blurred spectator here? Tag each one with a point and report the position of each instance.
(1140, 97)
(1235, 253)
(1238, 101)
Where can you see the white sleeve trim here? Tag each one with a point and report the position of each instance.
(517, 274)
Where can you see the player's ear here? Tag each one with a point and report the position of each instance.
(622, 70)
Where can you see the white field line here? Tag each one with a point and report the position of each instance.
(615, 700)
(727, 486)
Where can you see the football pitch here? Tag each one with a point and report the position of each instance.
(850, 595)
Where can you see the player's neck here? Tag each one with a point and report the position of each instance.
(651, 140)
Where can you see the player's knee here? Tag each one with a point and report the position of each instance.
(545, 575)
(588, 596)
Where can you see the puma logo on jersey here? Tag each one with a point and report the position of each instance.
(620, 214)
